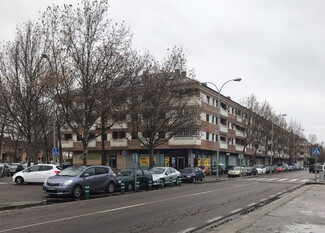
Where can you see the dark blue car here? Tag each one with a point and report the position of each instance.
(192, 174)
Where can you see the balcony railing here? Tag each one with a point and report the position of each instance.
(239, 133)
(119, 142)
(67, 144)
(92, 143)
(223, 112)
(223, 128)
(223, 145)
(178, 141)
(239, 147)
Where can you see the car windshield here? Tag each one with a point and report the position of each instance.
(125, 172)
(236, 168)
(157, 170)
(72, 171)
(189, 170)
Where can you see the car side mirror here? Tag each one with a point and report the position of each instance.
(86, 175)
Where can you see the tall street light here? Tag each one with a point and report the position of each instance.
(272, 140)
(45, 56)
(218, 118)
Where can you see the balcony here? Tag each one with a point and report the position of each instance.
(67, 144)
(239, 133)
(92, 143)
(223, 128)
(239, 147)
(179, 141)
(223, 145)
(119, 142)
(223, 112)
(119, 125)
(239, 119)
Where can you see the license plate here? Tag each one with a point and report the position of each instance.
(51, 189)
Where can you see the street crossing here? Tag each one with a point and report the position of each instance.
(276, 180)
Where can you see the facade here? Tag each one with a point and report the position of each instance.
(12, 151)
(190, 147)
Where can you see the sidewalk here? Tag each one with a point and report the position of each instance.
(300, 211)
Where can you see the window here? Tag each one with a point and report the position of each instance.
(208, 99)
(134, 135)
(79, 138)
(91, 136)
(213, 100)
(118, 134)
(146, 134)
(207, 136)
(68, 137)
(45, 168)
(187, 133)
(112, 161)
(213, 119)
(104, 137)
(90, 171)
(101, 170)
(139, 173)
(207, 117)
(212, 137)
(162, 134)
(34, 169)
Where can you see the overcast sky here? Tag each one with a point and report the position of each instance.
(275, 46)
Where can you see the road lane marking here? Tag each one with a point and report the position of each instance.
(235, 211)
(293, 180)
(273, 179)
(279, 193)
(251, 204)
(304, 180)
(214, 219)
(3, 183)
(264, 199)
(187, 230)
(283, 179)
(272, 196)
(112, 210)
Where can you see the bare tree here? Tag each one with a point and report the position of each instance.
(160, 102)
(89, 58)
(22, 85)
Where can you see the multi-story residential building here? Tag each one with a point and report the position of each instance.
(188, 147)
(12, 151)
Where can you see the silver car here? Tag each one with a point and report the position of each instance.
(72, 181)
(164, 173)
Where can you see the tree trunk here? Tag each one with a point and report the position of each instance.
(151, 157)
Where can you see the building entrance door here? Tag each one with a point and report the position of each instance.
(180, 162)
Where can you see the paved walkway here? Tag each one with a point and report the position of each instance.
(300, 211)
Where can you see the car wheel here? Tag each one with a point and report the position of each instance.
(130, 186)
(177, 180)
(111, 187)
(77, 191)
(19, 180)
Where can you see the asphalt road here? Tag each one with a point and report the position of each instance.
(177, 209)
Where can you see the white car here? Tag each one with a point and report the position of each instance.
(164, 173)
(36, 173)
(260, 169)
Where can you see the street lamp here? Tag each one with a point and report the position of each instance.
(218, 118)
(272, 141)
(44, 55)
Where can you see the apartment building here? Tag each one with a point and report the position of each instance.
(190, 147)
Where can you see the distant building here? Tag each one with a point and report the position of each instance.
(12, 151)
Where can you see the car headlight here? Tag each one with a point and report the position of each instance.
(66, 183)
(119, 181)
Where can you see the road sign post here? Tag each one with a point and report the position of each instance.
(316, 152)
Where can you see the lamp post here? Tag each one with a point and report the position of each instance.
(272, 132)
(44, 55)
(218, 119)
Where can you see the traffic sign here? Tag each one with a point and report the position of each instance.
(55, 151)
(316, 151)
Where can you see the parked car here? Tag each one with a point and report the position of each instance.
(207, 170)
(285, 167)
(72, 181)
(273, 169)
(267, 169)
(251, 171)
(236, 171)
(214, 170)
(3, 167)
(36, 173)
(290, 168)
(320, 167)
(279, 169)
(164, 173)
(260, 169)
(15, 167)
(230, 167)
(128, 176)
(192, 174)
